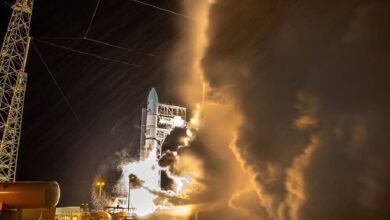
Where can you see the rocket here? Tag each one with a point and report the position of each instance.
(151, 149)
(157, 122)
(151, 142)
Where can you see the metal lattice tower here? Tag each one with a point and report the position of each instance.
(13, 57)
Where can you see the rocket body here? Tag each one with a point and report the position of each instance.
(151, 148)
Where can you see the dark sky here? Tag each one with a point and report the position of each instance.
(106, 97)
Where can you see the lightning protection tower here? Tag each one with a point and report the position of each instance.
(13, 57)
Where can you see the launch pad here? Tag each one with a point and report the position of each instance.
(144, 181)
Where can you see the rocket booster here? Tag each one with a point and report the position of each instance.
(151, 148)
(152, 136)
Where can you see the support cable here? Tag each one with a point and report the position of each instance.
(163, 9)
(92, 18)
(58, 38)
(85, 37)
(118, 47)
(97, 42)
(55, 82)
(88, 54)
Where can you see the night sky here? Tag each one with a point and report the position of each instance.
(294, 125)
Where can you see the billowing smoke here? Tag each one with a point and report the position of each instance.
(167, 159)
(108, 173)
(290, 100)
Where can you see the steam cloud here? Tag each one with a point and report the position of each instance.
(293, 123)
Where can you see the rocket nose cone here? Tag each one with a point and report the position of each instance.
(152, 102)
(153, 95)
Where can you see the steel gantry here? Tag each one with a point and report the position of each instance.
(13, 57)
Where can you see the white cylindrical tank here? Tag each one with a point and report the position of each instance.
(30, 195)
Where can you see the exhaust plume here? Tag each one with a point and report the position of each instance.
(289, 101)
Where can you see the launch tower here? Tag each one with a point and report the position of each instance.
(13, 57)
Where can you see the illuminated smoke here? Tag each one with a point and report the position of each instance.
(295, 184)
(167, 159)
(311, 106)
(308, 107)
(141, 199)
(215, 119)
(146, 197)
(274, 105)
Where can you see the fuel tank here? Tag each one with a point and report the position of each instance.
(29, 195)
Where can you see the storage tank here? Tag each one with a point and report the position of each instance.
(29, 195)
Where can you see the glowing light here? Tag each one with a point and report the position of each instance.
(195, 120)
(178, 122)
(181, 210)
(149, 198)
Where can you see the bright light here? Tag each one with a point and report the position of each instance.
(149, 198)
(178, 122)
(141, 199)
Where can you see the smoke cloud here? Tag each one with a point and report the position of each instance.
(290, 100)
